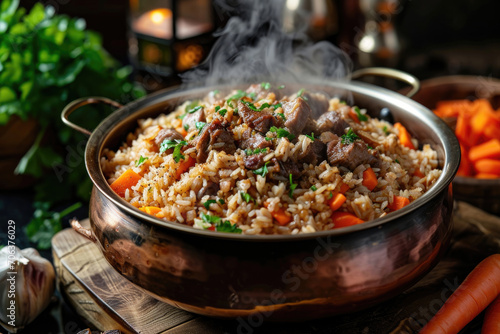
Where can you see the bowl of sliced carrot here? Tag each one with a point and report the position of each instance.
(471, 106)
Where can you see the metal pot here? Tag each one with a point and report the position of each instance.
(274, 277)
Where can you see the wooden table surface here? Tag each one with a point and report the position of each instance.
(108, 301)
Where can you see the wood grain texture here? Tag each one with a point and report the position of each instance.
(107, 299)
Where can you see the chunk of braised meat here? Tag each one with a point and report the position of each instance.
(289, 167)
(253, 140)
(350, 155)
(164, 134)
(314, 154)
(311, 127)
(331, 121)
(318, 102)
(297, 112)
(254, 161)
(210, 189)
(261, 93)
(215, 136)
(258, 120)
(189, 121)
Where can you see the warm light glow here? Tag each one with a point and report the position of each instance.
(292, 4)
(159, 15)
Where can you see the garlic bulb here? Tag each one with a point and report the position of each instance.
(27, 283)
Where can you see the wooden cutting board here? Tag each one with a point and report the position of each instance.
(108, 301)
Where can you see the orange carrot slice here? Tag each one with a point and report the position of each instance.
(370, 179)
(184, 167)
(336, 201)
(404, 136)
(281, 217)
(488, 150)
(487, 166)
(343, 219)
(128, 179)
(398, 202)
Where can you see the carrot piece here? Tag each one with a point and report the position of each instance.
(370, 179)
(344, 188)
(476, 292)
(398, 202)
(128, 179)
(418, 173)
(151, 210)
(463, 130)
(281, 217)
(486, 176)
(491, 324)
(451, 108)
(488, 150)
(478, 123)
(487, 166)
(354, 116)
(343, 219)
(336, 201)
(184, 167)
(465, 168)
(404, 136)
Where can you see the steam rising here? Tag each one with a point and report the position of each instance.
(253, 47)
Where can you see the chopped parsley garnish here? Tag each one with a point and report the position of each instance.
(268, 138)
(349, 137)
(292, 186)
(186, 127)
(330, 195)
(280, 132)
(246, 197)
(256, 151)
(301, 93)
(311, 136)
(200, 126)
(221, 201)
(195, 109)
(386, 131)
(207, 203)
(369, 147)
(282, 116)
(313, 188)
(192, 105)
(220, 226)
(140, 161)
(276, 106)
(176, 144)
(281, 87)
(254, 108)
(182, 116)
(265, 85)
(397, 160)
(361, 117)
(262, 171)
(239, 95)
(227, 227)
(222, 112)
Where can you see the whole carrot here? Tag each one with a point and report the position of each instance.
(476, 292)
(491, 324)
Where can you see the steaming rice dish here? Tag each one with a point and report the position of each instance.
(261, 162)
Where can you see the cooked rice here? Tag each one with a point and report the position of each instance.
(308, 208)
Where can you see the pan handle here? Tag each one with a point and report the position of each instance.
(72, 106)
(85, 232)
(390, 73)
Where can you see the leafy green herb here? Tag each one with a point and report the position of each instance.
(361, 116)
(282, 116)
(176, 144)
(301, 94)
(207, 203)
(369, 147)
(330, 195)
(313, 188)
(254, 108)
(140, 161)
(262, 171)
(221, 201)
(45, 223)
(200, 126)
(182, 116)
(311, 136)
(349, 137)
(386, 131)
(396, 160)
(239, 95)
(220, 226)
(276, 106)
(227, 227)
(195, 109)
(292, 186)
(246, 197)
(265, 85)
(186, 127)
(222, 112)
(280, 132)
(46, 61)
(255, 151)
(281, 87)
(268, 138)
